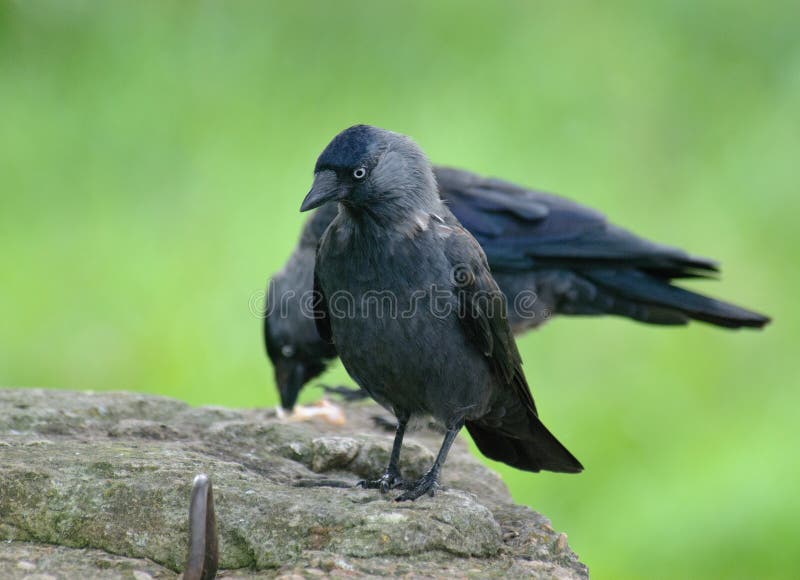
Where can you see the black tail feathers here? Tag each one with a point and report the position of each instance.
(534, 449)
(655, 300)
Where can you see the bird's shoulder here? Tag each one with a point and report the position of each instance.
(316, 224)
(335, 244)
(319, 307)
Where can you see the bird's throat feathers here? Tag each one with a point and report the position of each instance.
(394, 208)
(384, 220)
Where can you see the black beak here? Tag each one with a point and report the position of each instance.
(325, 189)
(290, 386)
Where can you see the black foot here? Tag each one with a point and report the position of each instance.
(387, 481)
(382, 422)
(428, 483)
(346, 393)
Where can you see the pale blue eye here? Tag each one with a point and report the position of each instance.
(360, 173)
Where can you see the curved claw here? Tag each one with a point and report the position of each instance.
(428, 483)
(384, 483)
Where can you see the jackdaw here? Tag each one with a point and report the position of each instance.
(548, 254)
(443, 347)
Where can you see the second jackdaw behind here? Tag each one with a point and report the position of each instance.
(406, 296)
(549, 255)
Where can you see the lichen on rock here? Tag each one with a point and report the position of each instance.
(98, 484)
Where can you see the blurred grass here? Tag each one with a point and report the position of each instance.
(153, 157)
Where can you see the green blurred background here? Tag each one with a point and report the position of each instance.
(153, 156)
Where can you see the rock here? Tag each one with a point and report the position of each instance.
(97, 485)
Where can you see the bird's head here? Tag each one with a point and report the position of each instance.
(297, 353)
(365, 167)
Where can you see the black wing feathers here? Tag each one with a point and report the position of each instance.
(522, 229)
(515, 436)
(482, 310)
(526, 231)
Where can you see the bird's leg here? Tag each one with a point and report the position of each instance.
(429, 482)
(391, 477)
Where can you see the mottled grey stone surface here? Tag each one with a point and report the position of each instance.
(98, 484)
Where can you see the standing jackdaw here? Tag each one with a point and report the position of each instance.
(437, 343)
